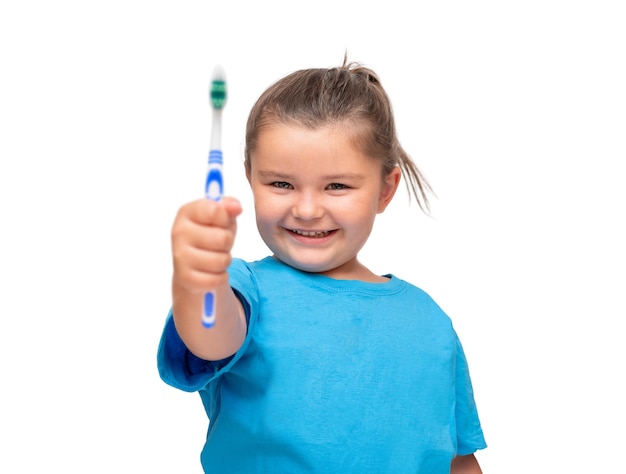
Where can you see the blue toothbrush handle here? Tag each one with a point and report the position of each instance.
(213, 189)
(208, 311)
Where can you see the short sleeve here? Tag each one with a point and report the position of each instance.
(469, 431)
(178, 367)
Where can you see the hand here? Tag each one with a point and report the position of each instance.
(203, 234)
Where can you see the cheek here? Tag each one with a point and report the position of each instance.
(357, 213)
(367, 204)
(267, 208)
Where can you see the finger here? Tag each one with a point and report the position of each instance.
(205, 212)
(232, 206)
(198, 280)
(186, 233)
(198, 269)
(202, 261)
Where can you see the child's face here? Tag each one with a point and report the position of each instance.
(316, 197)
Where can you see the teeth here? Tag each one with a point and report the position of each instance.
(311, 233)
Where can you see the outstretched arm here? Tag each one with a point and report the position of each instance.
(203, 234)
(465, 465)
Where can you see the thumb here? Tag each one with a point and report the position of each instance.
(232, 206)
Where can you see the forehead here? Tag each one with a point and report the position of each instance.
(295, 146)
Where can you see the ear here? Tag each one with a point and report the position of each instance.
(388, 189)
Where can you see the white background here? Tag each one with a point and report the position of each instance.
(514, 110)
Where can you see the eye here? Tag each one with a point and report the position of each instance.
(281, 185)
(337, 186)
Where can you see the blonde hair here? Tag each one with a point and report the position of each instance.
(351, 96)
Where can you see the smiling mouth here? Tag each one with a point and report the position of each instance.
(312, 233)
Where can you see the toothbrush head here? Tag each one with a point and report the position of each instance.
(217, 92)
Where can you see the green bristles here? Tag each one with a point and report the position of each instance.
(218, 93)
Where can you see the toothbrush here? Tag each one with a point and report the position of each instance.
(214, 185)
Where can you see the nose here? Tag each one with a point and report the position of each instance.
(307, 206)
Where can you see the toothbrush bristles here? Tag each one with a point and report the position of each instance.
(218, 88)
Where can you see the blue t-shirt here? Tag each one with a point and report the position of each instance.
(335, 376)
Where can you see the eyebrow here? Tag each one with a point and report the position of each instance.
(331, 177)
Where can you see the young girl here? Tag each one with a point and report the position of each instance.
(315, 363)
